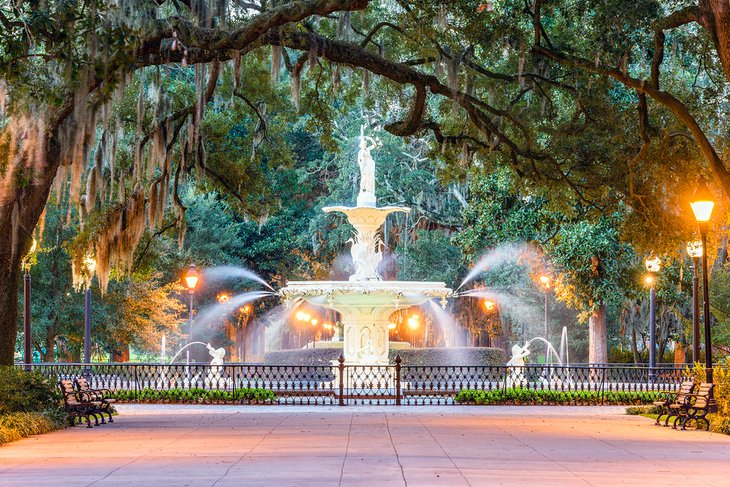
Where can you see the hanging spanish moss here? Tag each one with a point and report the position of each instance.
(336, 79)
(275, 63)
(296, 87)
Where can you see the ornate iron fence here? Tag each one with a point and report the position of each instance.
(345, 384)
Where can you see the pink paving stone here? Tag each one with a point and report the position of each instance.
(174, 445)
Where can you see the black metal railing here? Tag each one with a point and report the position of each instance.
(344, 384)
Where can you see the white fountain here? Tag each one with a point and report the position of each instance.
(366, 301)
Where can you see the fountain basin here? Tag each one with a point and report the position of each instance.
(365, 307)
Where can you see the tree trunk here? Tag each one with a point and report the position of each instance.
(597, 339)
(27, 204)
(715, 18)
(50, 346)
(634, 350)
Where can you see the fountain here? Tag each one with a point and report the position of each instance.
(366, 301)
(553, 374)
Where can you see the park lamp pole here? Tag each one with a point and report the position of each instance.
(27, 354)
(191, 280)
(694, 250)
(652, 264)
(90, 264)
(545, 280)
(702, 204)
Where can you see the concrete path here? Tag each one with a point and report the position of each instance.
(170, 445)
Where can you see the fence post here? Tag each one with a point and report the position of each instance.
(397, 380)
(341, 360)
(136, 383)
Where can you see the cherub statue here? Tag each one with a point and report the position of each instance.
(216, 365)
(516, 364)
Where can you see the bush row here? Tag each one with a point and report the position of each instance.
(198, 395)
(519, 395)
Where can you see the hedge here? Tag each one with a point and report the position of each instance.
(198, 395)
(524, 396)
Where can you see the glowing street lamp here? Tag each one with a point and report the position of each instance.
(191, 280)
(90, 265)
(694, 250)
(702, 204)
(652, 264)
(223, 297)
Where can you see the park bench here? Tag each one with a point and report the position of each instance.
(695, 408)
(668, 398)
(78, 405)
(102, 395)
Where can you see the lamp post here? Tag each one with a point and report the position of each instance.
(694, 249)
(545, 280)
(702, 205)
(90, 264)
(191, 280)
(27, 354)
(652, 264)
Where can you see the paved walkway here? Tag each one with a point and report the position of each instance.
(170, 445)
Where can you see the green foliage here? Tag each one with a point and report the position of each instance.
(594, 266)
(430, 257)
(643, 410)
(249, 395)
(27, 392)
(524, 396)
(14, 426)
(30, 404)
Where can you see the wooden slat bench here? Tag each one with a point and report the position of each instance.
(696, 407)
(668, 398)
(78, 405)
(101, 395)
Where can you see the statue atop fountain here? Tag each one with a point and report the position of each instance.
(366, 217)
(367, 170)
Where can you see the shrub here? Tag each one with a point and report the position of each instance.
(523, 396)
(14, 426)
(639, 410)
(250, 395)
(29, 404)
(22, 391)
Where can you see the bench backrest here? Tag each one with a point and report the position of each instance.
(703, 395)
(685, 388)
(69, 394)
(82, 383)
